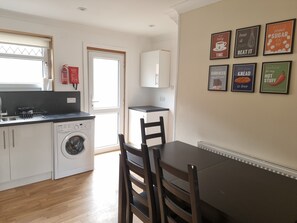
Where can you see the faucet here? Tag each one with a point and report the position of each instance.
(0, 108)
(5, 113)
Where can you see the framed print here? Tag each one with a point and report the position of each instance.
(275, 77)
(220, 45)
(243, 77)
(218, 77)
(247, 42)
(279, 37)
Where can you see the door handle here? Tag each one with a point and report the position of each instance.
(4, 139)
(13, 144)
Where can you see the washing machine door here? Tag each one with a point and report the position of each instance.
(74, 145)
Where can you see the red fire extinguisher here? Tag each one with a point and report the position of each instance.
(64, 74)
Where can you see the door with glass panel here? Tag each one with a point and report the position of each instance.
(106, 97)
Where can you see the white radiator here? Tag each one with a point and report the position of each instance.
(275, 168)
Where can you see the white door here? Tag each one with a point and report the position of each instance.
(106, 97)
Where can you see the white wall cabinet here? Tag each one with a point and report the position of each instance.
(149, 116)
(26, 150)
(155, 69)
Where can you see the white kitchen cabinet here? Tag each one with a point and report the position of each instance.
(27, 151)
(149, 114)
(155, 69)
(4, 156)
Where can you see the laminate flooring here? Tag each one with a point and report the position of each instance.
(90, 197)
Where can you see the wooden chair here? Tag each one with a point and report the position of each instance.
(146, 127)
(176, 204)
(140, 191)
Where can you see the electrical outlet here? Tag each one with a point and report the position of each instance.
(71, 100)
(162, 98)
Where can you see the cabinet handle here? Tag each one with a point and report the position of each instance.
(156, 79)
(13, 144)
(4, 139)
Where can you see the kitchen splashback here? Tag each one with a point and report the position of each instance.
(51, 102)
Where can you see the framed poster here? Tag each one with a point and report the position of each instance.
(247, 42)
(220, 45)
(243, 77)
(279, 37)
(275, 77)
(218, 77)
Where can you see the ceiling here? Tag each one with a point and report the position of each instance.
(143, 17)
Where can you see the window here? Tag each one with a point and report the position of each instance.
(24, 62)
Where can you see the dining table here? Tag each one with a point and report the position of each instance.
(244, 193)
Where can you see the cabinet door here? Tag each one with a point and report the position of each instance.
(155, 69)
(134, 127)
(30, 150)
(4, 155)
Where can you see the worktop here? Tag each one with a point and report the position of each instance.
(49, 118)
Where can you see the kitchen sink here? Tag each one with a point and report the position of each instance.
(9, 118)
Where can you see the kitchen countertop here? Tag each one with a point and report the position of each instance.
(49, 118)
(148, 108)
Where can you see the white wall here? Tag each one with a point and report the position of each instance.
(68, 42)
(256, 124)
(165, 97)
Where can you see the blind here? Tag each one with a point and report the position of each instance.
(23, 39)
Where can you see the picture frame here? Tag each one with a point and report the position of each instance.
(243, 77)
(275, 77)
(279, 37)
(218, 77)
(220, 45)
(247, 41)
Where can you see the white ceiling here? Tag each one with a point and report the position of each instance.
(144, 17)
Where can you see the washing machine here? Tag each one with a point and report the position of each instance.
(73, 147)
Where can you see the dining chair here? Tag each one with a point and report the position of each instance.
(140, 191)
(147, 131)
(177, 205)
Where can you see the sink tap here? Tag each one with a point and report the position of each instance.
(5, 113)
(0, 108)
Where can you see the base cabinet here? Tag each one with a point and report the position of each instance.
(135, 129)
(4, 156)
(26, 151)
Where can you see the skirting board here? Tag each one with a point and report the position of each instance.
(272, 167)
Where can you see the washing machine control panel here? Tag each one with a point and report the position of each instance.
(70, 127)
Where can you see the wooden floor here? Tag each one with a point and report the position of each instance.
(90, 197)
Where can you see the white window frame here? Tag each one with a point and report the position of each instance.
(30, 40)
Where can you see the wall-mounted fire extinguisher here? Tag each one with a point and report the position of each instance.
(70, 73)
(64, 74)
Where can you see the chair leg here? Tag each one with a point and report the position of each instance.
(130, 217)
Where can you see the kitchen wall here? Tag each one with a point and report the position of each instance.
(255, 124)
(165, 97)
(69, 42)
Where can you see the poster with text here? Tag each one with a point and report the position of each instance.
(247, 42)
(275, 77)
(220, 45)
(243, 77)
(279, 37)
(218, 77)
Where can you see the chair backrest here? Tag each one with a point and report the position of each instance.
(152, 130)
(138, 181)
(177, 204)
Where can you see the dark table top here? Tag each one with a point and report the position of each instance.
(245, 193)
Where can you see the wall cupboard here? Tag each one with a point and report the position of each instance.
(155, 69)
